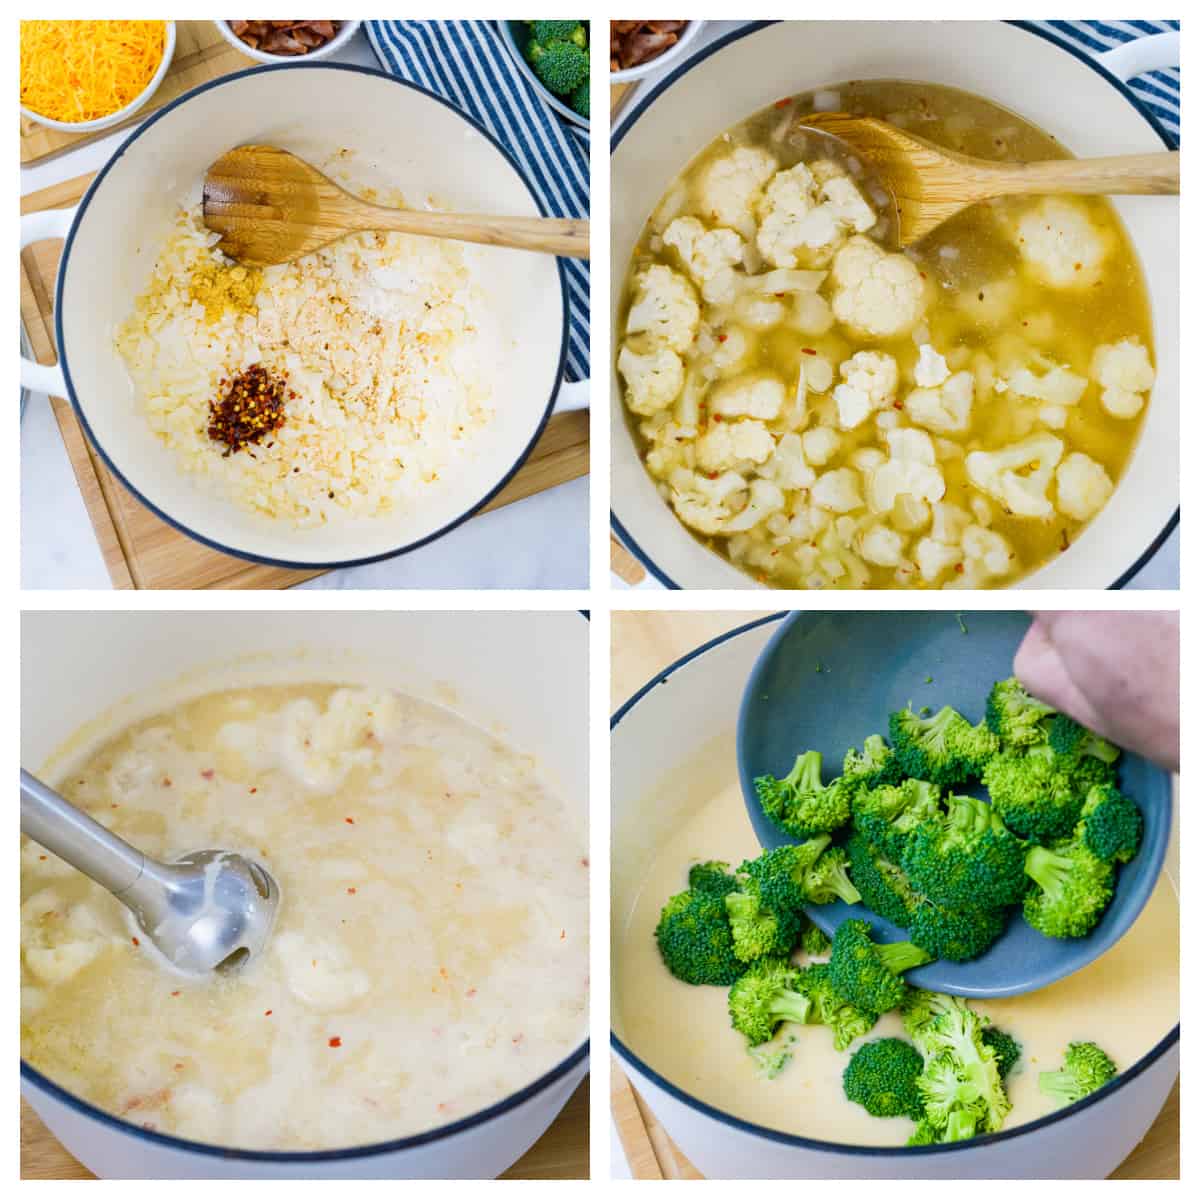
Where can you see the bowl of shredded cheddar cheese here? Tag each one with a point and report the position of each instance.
(90, 75)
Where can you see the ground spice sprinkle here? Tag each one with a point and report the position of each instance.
(250, 407)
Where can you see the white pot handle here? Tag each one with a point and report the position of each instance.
(1149, 53)
(44, 226)
(573, 396)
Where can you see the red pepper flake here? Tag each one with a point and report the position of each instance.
(179, 1066)
(562, 935)
(166, 782)
(41, 858)
(175, 993)
(958, 568)
(807, 350)
(898, 404)
(349, 820)
(518, 1039)
(250, 408)
(335, 1042)
(722, 337)
(268, 1012)
(135, 941)
(253, 790)
(208, 773)
(470, 992)
(352, 891)
(784, 102)
(585, 862)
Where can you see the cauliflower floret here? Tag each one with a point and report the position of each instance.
(817, 372)
(760, 312)
(909, 513)
(762, 398)
(765, 499)
(787, 465)
(934, 557)
(775, 283)
(911, 470)
(1057, 386)
(1123, 370)
(820, 445)
(731, 444)
(875, 293)
(988, 554)
(708, 254)
(701, 502)
(652, 380)
(931, 369)
(1060, 244)
(999, 474)
(949, 521)
(732, 346)
(945, 409)
(870, 379)
(837, 491)
(729, 187)
(665, 307)
(1083, 486)
(1053, 415)
(845, 200)
(882, 546)
(811, 314)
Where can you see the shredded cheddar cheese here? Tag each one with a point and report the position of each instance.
(75, 71)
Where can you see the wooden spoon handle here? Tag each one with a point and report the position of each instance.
(554, 235)
(1122, 175)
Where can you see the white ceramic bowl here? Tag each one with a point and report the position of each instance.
(658, 731)
(1082, 101)
(413, 140)
(335, 43)
(526, 672)
(122, 114)
(668, 59)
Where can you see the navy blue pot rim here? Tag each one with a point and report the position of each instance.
(753, 27)
(792, 1139)
(371, 1150)
(246, 556)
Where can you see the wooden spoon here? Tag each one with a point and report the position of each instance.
(931, 184)
(271, 207)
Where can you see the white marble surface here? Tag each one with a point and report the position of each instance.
(544, 538)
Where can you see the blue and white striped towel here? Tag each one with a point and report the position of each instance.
(1157, 90)
(466, 63)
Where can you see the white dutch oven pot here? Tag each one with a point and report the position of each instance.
(401, 136)
(1082, 101)
(670, 726)
(521, 675)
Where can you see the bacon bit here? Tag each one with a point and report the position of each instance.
(208, 773)
(352, 891)
(335, 1042)
(807, 350)
(470, 992)
(349, 820)
(268, 1012)
(784, 102)
(135, 941)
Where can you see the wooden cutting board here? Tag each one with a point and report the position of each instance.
(560, 1153)
(652, 1155)
(139, 549)
(201, 54)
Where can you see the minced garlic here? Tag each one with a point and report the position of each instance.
(219, 288)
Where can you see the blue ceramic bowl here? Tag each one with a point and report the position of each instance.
(826, 681)
(515, 35)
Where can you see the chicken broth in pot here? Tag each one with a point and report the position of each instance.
(825, 412)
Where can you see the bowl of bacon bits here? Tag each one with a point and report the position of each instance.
(284, 41)
(639, 48)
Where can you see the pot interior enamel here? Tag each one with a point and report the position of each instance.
(521, 676)
(396, 137)
(1029, 74)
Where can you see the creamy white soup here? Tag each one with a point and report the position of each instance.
(1126, 1001)
(431, 952)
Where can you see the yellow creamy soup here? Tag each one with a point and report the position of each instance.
(430, 956)
(825, 412)
(1126, 1001)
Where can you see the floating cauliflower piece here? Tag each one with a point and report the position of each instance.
(1083, 486)
(876, 294)
(821, 444)
(709, 255)
(765, 498)
(986, 556)
(838, 491)
(760, 312)
(761, 397)
(946, 408)
(804, 219)
(882, 546)
(931, 369)
(788, 466)
(871, 379)
(1018, 475)
(933, 557)
(729, 445)
(58, 938)
(653, 380)
(729, 187)
(1060, 245)
(911, 470)
(665, 307)
(1057, 386)
(701, 502)
(1124, 371)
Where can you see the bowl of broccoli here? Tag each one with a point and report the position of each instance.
(1006, 841)
(555, 56)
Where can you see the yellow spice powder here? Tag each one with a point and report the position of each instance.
(220, 288)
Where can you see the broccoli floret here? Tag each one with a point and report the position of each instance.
(961, 1081)
(711, 876)
(1073, 888)
(884, 887)
(1014, 716)
(768, 1061)
(827, 879)
(1085, 1068)
(887, 816)
(764, 997)
(559, 31)
(845, 1020)
(695, 940)
(814, 941)
(799, 804)
(757, 929)
(882, 1077)
(1068, 737)
(924, 1134)
(945, 748)
(1004, 1046)
(956, 934)
(1110, 824)
(867, 973)
(766, 910)
(873, 766)
(1038, 794)
(967, 858)
(561, 66)
(581, 101)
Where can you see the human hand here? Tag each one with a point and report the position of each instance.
(1115, 672)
